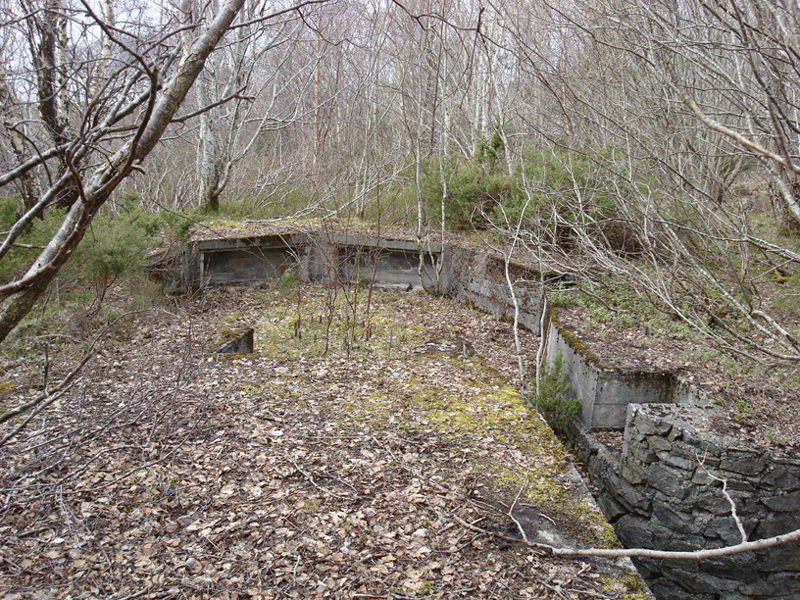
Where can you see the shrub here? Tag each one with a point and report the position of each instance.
(9, 209)
(551, 400)
(289, 281)
(574, 185)
(36, 235)
(474, 190)
(116, 243)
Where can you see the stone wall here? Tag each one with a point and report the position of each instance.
(665, 491)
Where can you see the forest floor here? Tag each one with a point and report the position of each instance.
(365, 456)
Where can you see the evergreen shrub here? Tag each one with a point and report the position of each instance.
(552, 399)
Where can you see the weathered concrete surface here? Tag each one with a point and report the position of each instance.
(229, 261)
(241, 343)
(606, 392)
(474, 277)
(478, 279)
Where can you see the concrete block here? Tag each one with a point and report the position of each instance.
(241, 344)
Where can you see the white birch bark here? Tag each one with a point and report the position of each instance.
(19, 295)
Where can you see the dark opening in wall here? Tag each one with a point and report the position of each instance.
(396, 268)
(241, 265)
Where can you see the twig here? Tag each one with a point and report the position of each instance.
(539, 513)
(294, 571)
(141, 592)
(474, 527)
(50, 396)
(314, 483)
(31, 532)
(744, 546)
(510, 514)
(38, 408)
(734, 514)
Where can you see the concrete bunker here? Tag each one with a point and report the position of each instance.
(388, 262)
(245, 260)
(638, 489)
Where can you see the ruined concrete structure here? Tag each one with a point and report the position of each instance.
(663, 491)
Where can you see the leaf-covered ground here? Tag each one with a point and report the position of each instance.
(384, 467)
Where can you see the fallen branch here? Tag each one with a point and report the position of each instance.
(744, 546)
(777, 540)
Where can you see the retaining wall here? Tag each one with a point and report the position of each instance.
(665, 492)
(606, 392)
(474, 277)
(478, 279)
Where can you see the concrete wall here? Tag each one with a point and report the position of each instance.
(604, 391)
(229, 261)
(478, 279)
(474, 277)
(386, 262)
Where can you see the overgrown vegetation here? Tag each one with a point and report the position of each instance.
(437, 443)
(552, 396)
(118, 240)
(551, 191)
(112, 254)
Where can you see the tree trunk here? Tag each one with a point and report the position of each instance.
(14, 124)
(19, 296)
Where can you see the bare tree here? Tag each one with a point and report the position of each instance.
(97, 145)
(664, 107)
(16, 130)
(234, 79)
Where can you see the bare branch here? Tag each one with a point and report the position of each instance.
(739, 138)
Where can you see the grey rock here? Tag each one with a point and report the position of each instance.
(782, 558)
(633, 472)
(677, 461)
(777, 524)
(784, 503)
(702, 477)
(634, 532)
(743, 464)
(667, 481)
(713, 502)
(658, 443)
(779, 477)
(673, 519)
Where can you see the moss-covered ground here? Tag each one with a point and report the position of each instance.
(407, 382)
(364, 456)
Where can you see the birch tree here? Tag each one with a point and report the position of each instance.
(89, 145)
(234, 78)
